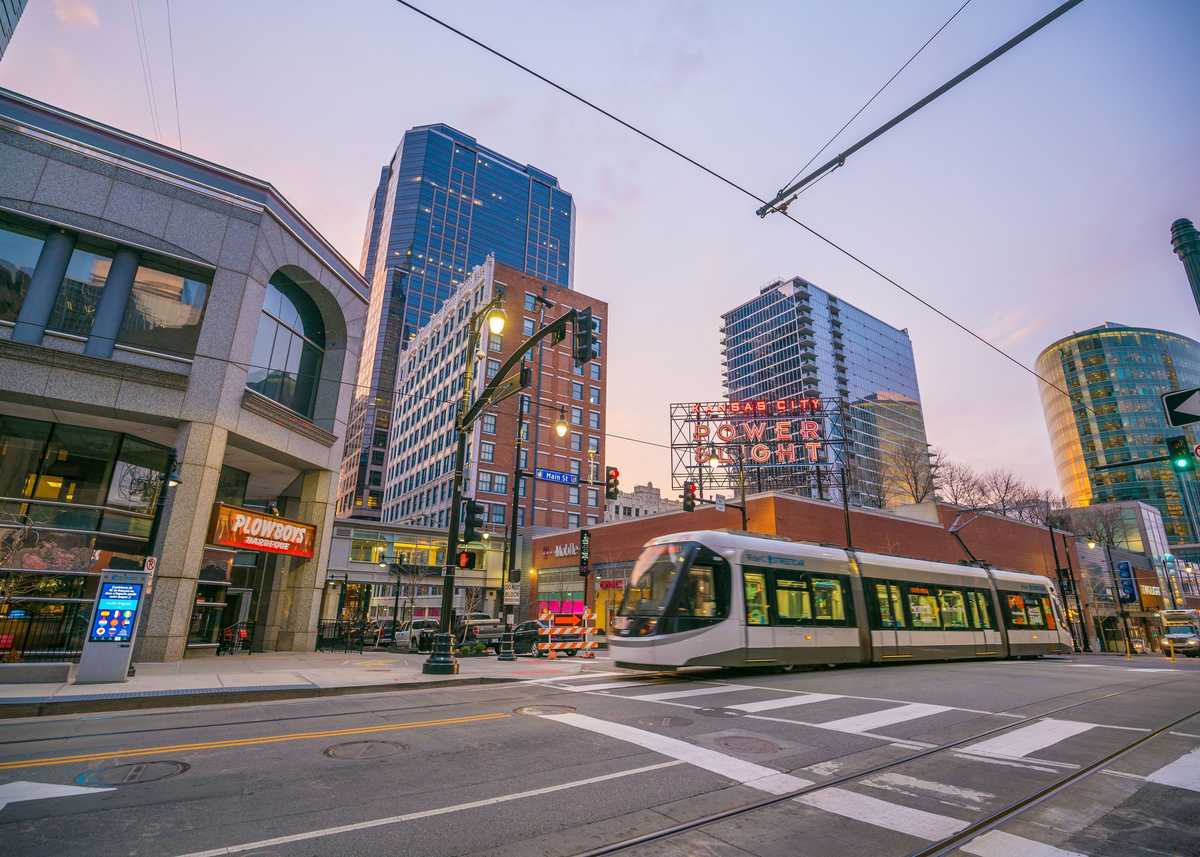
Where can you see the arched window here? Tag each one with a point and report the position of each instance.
(289, 347)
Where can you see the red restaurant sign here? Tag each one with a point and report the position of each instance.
(235, 527)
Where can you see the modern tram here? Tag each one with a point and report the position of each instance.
(725, 599)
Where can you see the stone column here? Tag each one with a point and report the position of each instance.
(110, 310)
(184, 531)
(43, 287)
(299, 595)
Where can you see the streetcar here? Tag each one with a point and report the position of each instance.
(726, 599)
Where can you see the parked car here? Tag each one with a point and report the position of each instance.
(417, 635)
(527, 635)
(479, 628)
(382, 633)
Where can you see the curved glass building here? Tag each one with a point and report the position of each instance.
(1116, 376)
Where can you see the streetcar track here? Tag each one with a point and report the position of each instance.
(773, 800)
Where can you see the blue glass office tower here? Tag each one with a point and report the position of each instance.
(443, 204)
(795, 339)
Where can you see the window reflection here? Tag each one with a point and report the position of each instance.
(164, 312)
(19, 251)
(288, 348)
(75, 307)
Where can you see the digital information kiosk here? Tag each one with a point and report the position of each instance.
(108, 647)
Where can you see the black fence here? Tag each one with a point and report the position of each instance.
(341, 636)
(42, 638)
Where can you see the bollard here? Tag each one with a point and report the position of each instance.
(507, 648)
(1171, 650)
(441, 659)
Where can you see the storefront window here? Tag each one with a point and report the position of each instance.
(289, 347)
(22, 443)
(231, 486)
(77, 466)
(164, 312)
(75, 307)
(19, 251)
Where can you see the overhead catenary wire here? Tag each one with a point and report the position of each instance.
(144, 57)
(175, 82)
(878, 92)
(736, 186)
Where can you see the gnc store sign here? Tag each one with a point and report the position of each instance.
(247, 529)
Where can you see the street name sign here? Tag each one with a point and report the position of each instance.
(556, 476)
(1182, 406)
(585, 550)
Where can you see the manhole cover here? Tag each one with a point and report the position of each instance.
(539, 710)
(128, 775)
(663, 722)
(747, 744)
(364, 750)
(720, 712)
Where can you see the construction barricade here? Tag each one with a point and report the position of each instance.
(566, 625)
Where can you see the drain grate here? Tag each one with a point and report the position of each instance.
(663, 722)
(539, 710)
(720, 712)
(747, 744)
(360, 750)
(133, 774)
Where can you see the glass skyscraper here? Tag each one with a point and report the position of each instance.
(443, 204)
(797, 340)
(1115, 376)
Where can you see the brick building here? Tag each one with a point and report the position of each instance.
(1002, 542)
(419, 463)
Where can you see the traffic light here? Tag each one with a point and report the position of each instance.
(612, 483)
(689, 496)
(473, 517)
(1181, 453)
(466, 559)
(585, 337)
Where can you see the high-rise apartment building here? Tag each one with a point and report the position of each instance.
(10, 14)
(420, 455)
(794, 340)
(1115, 376)
(443, 205)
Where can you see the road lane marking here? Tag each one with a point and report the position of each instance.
(22, 791)
(1183, 773)
(426, 813)
(1185, 735)
(963, 798)
(608, 685)
(786, 702)
(1011, 763)
(997, 843)
(682, 694)
(575, 677)
(882, 813)
(1028, 739)
(747, 773)
(864, 723)
(249, 742)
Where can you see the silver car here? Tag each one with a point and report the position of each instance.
(417, 635)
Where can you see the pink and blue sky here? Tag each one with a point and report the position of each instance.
(1034, 200)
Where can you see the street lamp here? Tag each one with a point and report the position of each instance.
(496, 319)
(560, 424)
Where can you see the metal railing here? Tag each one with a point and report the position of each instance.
(42, 638)
(341, 636)
(236, 639)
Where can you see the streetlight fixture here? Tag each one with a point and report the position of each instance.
(496, 319)
(560, 424)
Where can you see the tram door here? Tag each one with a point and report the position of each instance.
(981, 624)
(760, 636)
(894, 635)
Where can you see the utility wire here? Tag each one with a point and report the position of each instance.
(878, 92)
(175, 84)
(144, 56)
(740, 188)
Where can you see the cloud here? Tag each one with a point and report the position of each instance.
(77, 13)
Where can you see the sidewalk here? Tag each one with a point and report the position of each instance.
(269, 675)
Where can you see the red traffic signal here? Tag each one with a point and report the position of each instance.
(689, 496)
(466, 559)
(612, 483)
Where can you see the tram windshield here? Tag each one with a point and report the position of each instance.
(653, 578)
(1186, 628)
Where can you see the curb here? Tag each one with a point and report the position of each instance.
(45, 706)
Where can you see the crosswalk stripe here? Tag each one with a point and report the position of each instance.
(1183, 773)
(608, 685)
(887, 717)
(683, 694)
(882, 813)
(1029, 739)
(575, 677)
(785, 702)
(997, 843)
(747, 773)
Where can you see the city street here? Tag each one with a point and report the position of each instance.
(895, 760)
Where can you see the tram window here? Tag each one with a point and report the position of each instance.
(891, 608)
(758, 609)
(981, 617)
(1048, 611)
(1034, 611)
(828, 602)
(793, 604)
(1016, 611)
(954, 610)
(924, 608)
(698, 596)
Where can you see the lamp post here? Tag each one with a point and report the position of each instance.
(1112, 570)
(441, 659)
(714, 459)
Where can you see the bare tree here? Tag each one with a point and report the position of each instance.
(909, 473)
(1103, 525)
(959, 484)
